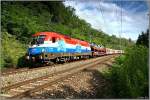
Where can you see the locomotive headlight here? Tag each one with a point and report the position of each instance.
(40, 57)
(33, 58)
(27, 57)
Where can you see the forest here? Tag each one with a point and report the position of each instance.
(19, 20)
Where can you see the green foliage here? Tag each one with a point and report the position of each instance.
(129, 75)
(12, 50)
(22, 19)
(143, 39)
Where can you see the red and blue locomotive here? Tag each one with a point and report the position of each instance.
(51, 46)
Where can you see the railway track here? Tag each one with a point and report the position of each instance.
(27, 87)
(20, 70)
(19, 77)
(12, 71)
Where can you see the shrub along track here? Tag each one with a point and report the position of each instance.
(27, 87)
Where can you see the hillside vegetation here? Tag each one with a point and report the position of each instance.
(22, 19)
(12, 50)
(129, 75)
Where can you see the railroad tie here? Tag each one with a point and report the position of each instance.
(17, 90)
(34, 84)
(66, 80)
(38, 92)
(46, 79)
(39, 81)
(27, 87)
(48, 89)
(5, 95)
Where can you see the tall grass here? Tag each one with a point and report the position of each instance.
(129, 75)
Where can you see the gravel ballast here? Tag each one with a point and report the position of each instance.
(19, 77)
(89, 83)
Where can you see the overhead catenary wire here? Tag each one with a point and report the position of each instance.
(115, 13)
(101, 11)
(148, 3)
(117, 20)
(121, 23)
(104, 21)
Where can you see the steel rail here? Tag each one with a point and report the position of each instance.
(20, 70)
(61, 75)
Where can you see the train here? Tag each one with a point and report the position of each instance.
(47, 47)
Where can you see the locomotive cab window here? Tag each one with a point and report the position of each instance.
(38, 39)
(53, 39)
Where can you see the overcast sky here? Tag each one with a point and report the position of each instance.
(106, 16)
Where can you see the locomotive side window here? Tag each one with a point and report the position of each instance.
(53, 39)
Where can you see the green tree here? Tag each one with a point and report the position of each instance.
(143, 39)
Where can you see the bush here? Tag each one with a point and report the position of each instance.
(129, 75)
(12, 50)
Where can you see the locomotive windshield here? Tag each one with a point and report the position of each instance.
(38, 39)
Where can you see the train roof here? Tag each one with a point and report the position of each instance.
(67, 38)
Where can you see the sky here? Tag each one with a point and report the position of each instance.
(121, 18)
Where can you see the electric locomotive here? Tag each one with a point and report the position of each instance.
(51, 46)
(47, 47)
